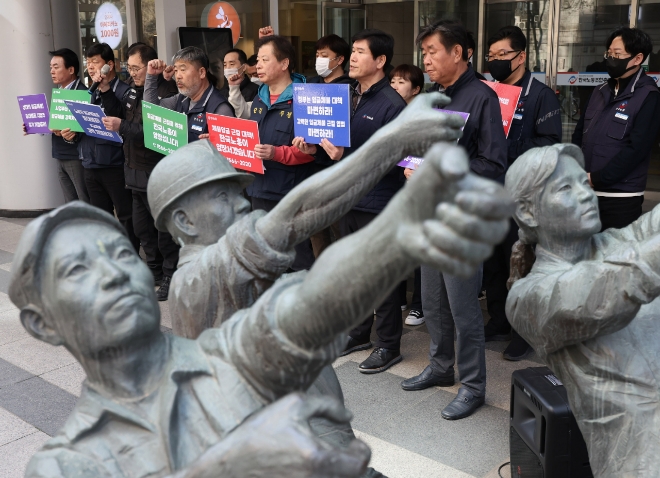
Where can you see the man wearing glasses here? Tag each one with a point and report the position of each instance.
(536, 122)
(618, 127)
(161, 253)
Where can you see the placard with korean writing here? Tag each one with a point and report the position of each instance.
(322, 111)
(413, 162)
(34, 110)
(508, 96)
(235, 139)
(60, 116)
(165, 130)
(90, 118)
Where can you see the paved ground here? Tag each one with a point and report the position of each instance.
(39, 386)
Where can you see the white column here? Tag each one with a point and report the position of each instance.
(170, 14)
(131, 22)
(29, 29)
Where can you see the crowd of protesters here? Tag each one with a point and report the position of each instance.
(616, 131)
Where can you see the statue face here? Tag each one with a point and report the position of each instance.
(97, 292)
(568, 206)
(214, 207)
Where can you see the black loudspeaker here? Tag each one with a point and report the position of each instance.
(544, 439)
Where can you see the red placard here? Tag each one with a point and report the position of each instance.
(235, 139)
(508, 95)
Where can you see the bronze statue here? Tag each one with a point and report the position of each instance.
(156, 405)
(588, 307)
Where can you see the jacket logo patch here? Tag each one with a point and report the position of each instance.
(132, 97)
(621, 116)
(368, 117)
(197, 128)
(257, 109)
(128, 106)
(281, 113)
(622, 107)
(289, 114)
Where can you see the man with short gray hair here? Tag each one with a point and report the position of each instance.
(197, 93)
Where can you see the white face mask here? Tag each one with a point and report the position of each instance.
(323, 67)
(229, 72)
(256, 80)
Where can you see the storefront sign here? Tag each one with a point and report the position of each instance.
(508, 96)
(90, 118)
(322, 111)
(34, 110)
(582, 79)
(413, 162)
(165, 130)
(222, 15)
(235, 139)
(60, 116)
(108, 25)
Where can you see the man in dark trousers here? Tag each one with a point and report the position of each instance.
(618, 127)
(161, 253)
(64, 68)
(103, 159)
(374, 104)
(451, 303)
(536, 122)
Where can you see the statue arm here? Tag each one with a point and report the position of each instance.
(326, 196)
(591, 299)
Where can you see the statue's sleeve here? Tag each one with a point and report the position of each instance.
(64, 463)
(586, 300)
(268, 360)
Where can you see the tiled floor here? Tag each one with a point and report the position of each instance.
(39, 385)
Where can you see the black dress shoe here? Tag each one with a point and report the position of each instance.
(427, 379)
(380, 360)
(517, 350)
(464, 405)
(493, 334)
(355, 346)
(164, 290)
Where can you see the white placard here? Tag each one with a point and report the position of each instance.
(108, 24)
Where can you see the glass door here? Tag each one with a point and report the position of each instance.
(344, 20)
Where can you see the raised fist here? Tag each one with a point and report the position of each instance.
(156, 67)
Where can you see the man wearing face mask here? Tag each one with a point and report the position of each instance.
(617, 129)
(536, 122)
(235, 63)
(332, 53)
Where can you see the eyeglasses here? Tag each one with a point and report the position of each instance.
(135, 69)
(616, 56)
(501, 54)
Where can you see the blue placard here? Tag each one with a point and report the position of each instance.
(322, 111)
(89, 117)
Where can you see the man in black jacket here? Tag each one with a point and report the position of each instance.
(374, 104)
(536, 122)
(235, 62)
(64, 68)
(451, 303)
(332, 54)
(161, 252)
(103, 159)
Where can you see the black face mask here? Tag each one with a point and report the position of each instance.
(617, 67)
(501, 69)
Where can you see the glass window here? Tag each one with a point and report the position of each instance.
(583, 29)
(397, 19)
(532, 18)
(300, 21)
(146, 15)
(87, 9)
(648, 19)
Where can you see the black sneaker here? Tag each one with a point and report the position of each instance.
(415, 317)
(355, 346)
(380, 360)
(491, 334)
(158, 281)
(164, 290)
(517, 350)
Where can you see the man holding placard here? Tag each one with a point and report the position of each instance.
(536, 122)
(103, 159)
(197, 93)
(64, 68)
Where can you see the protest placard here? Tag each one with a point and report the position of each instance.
(413, 162)
(235, 139)
(508, 96)
(322, 111)
(165, 130)
(34, 110)
(60, 116)
(90, 118)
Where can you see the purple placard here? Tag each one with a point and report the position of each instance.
(34, 110)
(413, 162)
